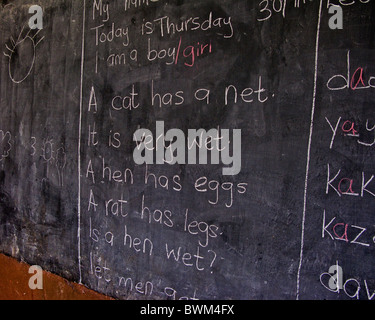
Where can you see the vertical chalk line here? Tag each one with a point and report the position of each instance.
(79, 142)
(309, 149)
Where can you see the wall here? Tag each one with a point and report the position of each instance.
(14, 279)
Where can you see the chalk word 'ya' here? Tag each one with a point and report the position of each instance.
(170, 147)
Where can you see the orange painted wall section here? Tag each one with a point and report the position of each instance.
(14, 285)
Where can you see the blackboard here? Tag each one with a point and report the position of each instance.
(191, 150)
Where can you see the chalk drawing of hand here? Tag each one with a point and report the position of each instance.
(21, 55)
(5, 145)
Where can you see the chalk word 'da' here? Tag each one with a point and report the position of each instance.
(170, 147)
(355, 81)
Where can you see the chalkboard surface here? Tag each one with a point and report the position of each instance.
(178, 149)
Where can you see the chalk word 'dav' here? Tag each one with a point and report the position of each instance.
(170, 147)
